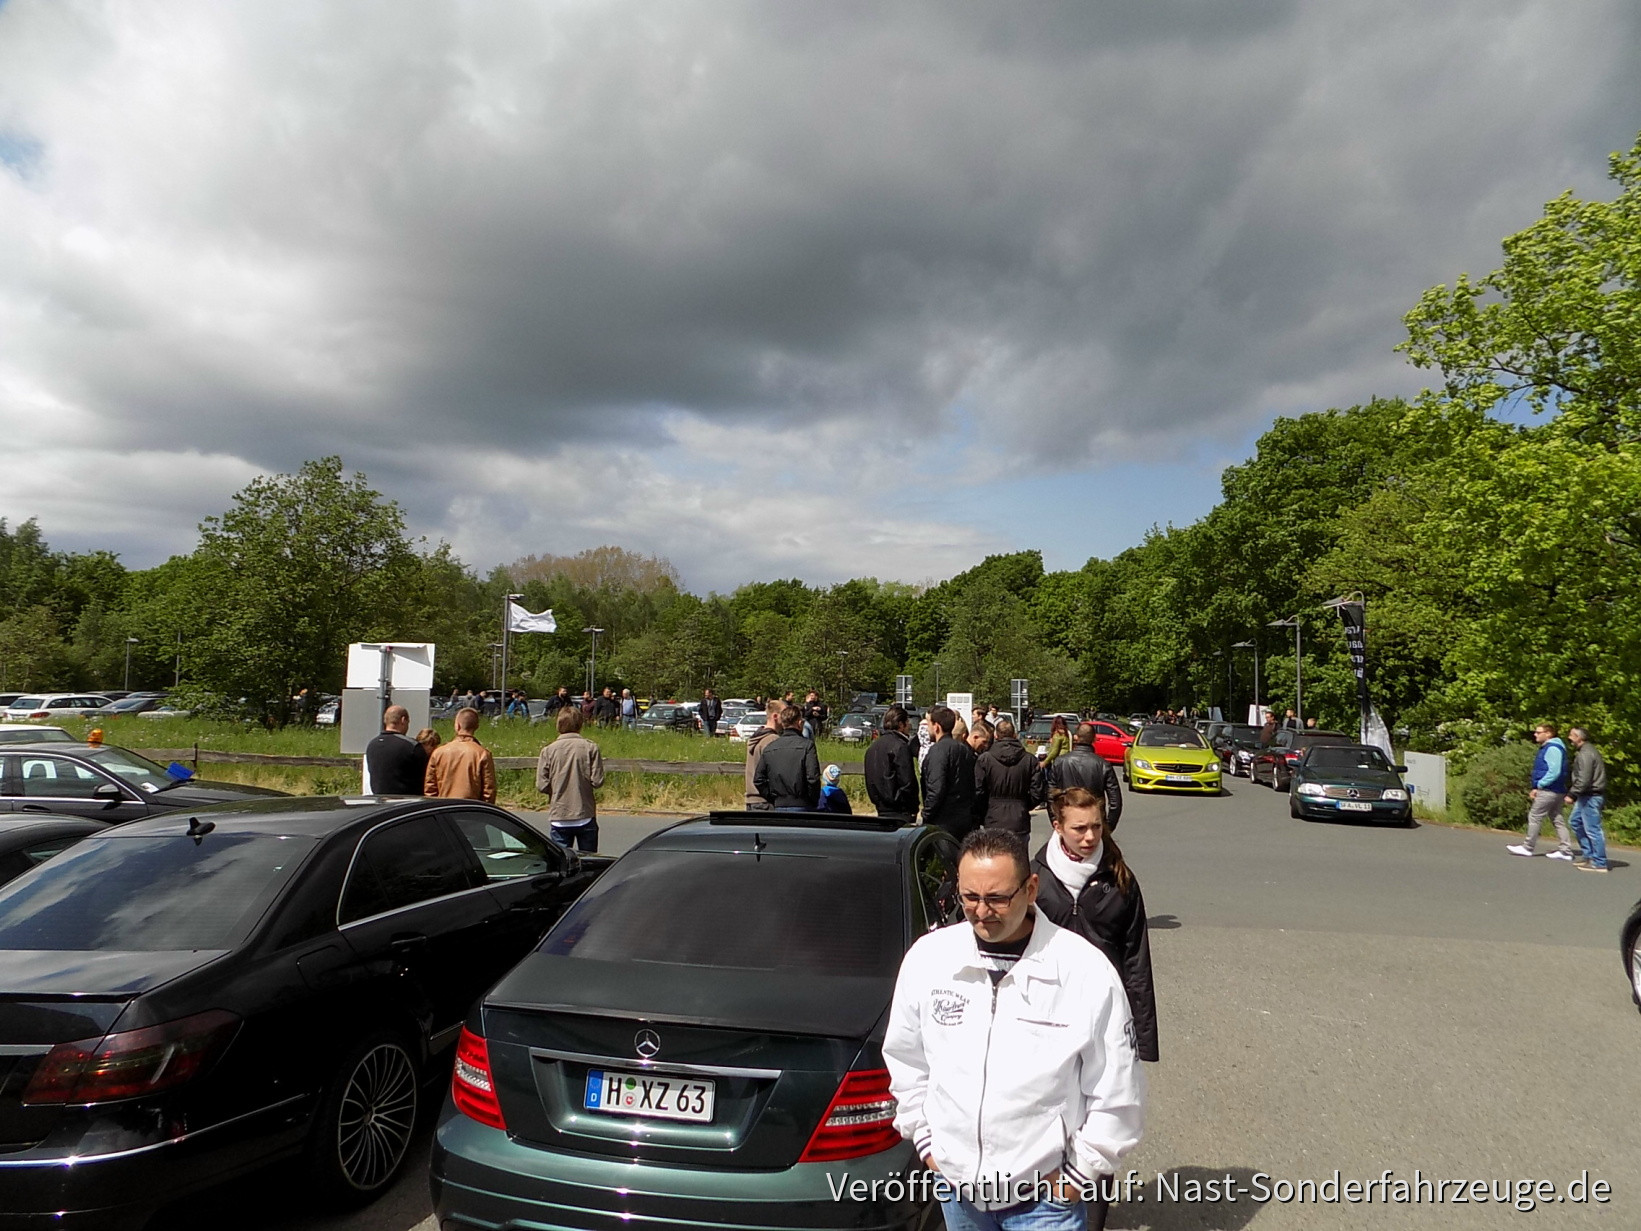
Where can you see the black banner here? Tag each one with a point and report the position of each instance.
(1354, 616)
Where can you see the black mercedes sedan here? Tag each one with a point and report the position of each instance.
(698, 1041)
(1349, 782)
(105, 783)
(185, 998)
(28, 841)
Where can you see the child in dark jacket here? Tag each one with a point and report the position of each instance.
(832, 798)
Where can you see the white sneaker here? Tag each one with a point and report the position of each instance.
(1515, 848)
(1562, 855)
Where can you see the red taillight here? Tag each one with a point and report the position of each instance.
(1290, 757)
(131, 1063)
(472, 1085)
(41, 714)
(859, 1121)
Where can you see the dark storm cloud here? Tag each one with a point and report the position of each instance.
(270, 232)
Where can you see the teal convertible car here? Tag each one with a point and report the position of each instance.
(1350, 781)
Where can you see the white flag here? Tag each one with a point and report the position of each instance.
(521, 621)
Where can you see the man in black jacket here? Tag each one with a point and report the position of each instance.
(396, 763)
(788, 773)
(891, 769)
(948, 778)
(1007, 783)
(710, 710)
(1081, 767)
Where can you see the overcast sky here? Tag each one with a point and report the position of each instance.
(818, 290)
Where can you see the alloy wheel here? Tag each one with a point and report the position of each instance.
(377, 1114)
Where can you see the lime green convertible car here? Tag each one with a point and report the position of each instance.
(1171, 758)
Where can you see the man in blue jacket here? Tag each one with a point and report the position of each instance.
(1551, 774)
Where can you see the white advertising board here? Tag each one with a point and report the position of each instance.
(411, 664)
(961, 704)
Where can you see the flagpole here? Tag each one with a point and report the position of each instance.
(506, 621)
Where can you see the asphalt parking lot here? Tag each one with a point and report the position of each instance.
(1331, 997)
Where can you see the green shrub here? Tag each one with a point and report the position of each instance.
(1493, 789)
(1623, 825)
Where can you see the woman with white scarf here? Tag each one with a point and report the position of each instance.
(1084, 885)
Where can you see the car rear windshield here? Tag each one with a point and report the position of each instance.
(29, 703)
(1346, 758)
(743, 911)
(149, 893)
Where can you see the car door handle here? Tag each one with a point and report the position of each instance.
(407, 942)
(35, 808)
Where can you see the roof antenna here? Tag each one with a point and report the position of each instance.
(197, 829)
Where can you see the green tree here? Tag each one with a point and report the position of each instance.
(297, 568)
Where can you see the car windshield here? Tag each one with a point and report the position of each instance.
(138, 771)
(774, 912)
(28, 703)
(1040, 728)
(1169, 737)
(661, 711)
(1346, 758)
(149, 893)
(130, 703)
(854, 720)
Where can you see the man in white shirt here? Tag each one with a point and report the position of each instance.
(1010, 1051)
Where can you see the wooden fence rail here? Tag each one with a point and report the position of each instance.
(207, 756)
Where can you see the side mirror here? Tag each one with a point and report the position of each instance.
(1400, 769)
(108, 791)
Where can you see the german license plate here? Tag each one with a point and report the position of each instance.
(649, 1094)
(1180, 778)
(1350, 805)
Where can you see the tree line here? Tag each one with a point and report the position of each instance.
(1493, 525)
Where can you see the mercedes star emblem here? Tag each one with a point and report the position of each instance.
(646, 1043)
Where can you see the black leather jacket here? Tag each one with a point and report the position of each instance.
(1114, 923)
(1081, 767)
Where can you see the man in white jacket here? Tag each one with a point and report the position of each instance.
(1011, 1056)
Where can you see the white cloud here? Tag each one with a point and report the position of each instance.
(905, 250)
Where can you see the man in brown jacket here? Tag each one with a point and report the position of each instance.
(463, 768)
(755, 745)
(571, 768)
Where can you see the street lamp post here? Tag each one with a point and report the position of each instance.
(592, 663)
(843, 656)
(936, 686)
(1298, 679)
(129, 642)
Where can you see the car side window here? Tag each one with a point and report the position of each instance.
(409, 861)
(506, 849)
(936, 866)
(46, 777)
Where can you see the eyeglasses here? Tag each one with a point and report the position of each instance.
(991, 901)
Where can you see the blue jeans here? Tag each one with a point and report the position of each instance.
(1029, 1216)
(1586, 823)
(575, 837)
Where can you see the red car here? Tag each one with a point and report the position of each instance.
(1274, 763)
(1111, 741)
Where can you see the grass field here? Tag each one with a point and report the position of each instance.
(509, 738)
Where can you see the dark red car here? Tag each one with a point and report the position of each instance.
(1274, 763)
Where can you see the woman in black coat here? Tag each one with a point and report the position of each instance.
(1084, 885)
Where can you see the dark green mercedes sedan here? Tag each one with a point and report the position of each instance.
(697, 1042)
(1349, 781)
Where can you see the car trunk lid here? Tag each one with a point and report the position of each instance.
(773, 1046)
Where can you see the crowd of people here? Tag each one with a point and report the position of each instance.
(1072, 914)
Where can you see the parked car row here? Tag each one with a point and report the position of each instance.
(187, 996)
